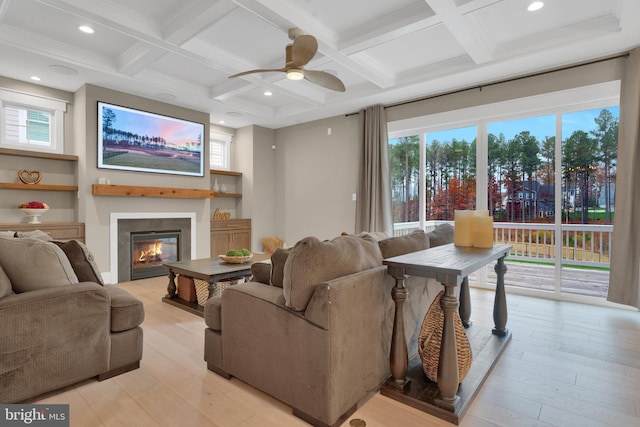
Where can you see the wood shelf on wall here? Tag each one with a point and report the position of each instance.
(139, 191)
(221, 172)
(41, 187)
(237, 195)
(37, 154)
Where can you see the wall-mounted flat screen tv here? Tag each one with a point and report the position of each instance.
(136, 140)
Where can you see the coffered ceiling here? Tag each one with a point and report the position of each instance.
(183, 51)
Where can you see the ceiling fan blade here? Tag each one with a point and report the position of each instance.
(257, 71)
(303, 49)
(324, 79)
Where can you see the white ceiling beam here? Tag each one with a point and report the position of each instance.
(467, 32)
(49, 48)
(138, 57)
(387, 28)
(195, 19)
(579, 31)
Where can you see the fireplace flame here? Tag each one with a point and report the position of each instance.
(153, 252)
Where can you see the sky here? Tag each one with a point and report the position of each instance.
(540, 126)
(174, 131)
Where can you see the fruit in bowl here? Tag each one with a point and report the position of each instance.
(33, 205)
(33, 210)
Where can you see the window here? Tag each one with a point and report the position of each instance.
(26, 126)
(31, 123)
(220, 148)
(554, 202)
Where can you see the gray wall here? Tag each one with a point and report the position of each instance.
(316, 176)
(94, 210)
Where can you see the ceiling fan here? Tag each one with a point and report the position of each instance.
(298, 54)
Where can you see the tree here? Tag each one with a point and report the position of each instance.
(404, 157)
(606, 135)
(580, 156)
(547, 152)
(108, 119)
(529, 162)
(496, 146)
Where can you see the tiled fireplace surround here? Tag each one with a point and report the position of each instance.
(122, 224)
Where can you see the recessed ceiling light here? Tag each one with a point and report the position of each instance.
(86, 29)
(535, 5)
(221, 122)
(35, 78)
(61, 69)
(268, 93)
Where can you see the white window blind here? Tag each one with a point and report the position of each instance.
(31, 122)
(219, 152)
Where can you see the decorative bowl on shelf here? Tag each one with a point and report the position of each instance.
(34, 214)
(235, 259)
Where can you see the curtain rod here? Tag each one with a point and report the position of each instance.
(513, 79)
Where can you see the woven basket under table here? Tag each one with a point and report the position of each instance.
(430, 339)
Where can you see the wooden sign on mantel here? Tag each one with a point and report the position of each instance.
(221, 215)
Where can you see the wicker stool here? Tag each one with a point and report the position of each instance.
(430, 339)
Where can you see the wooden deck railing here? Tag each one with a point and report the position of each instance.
(582, 244)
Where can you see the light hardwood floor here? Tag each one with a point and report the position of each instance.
(567, 365)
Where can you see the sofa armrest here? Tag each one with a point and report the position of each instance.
(127, 311)
(57, 336)
(337, 301)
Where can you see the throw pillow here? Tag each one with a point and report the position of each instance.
(278, 260)
(412, 242)
(35, 234)
(441, 235)
(312, 262)
(5, 284)
(375, 235)
(82, 261)
(34, 264)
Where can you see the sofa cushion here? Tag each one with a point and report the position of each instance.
(441, 235)
(412, 242)
(312, 262)
(35, 234)
(213, 313)
(82, 261)
(127, 311)
(34, 264)
(5, 284)
(278, 260)
(375, 235)
(261, 271)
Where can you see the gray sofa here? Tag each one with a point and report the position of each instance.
(62, 325)
(313, 329)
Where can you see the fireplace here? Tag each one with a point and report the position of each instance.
(125, 227)
(150, 250)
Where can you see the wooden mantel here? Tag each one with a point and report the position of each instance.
(138, 191)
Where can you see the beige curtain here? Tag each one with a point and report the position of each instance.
(624, 281)
(373, 206)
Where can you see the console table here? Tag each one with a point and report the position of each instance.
(450, 265)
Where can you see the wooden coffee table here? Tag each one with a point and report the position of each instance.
(211, 270)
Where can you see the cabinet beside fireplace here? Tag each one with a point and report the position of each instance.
(57, 230)
(230, 234)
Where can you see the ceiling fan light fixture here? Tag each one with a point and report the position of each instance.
(295, 74)
(535, 5)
